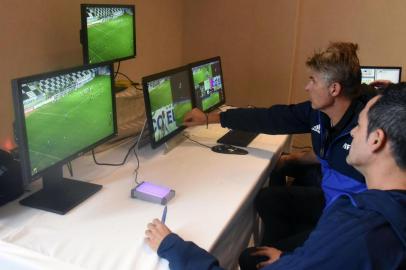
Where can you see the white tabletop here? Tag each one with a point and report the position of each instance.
(107, 230)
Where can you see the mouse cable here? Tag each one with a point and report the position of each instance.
(187, 137)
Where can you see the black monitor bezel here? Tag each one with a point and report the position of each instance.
(203, 62)
(20, 130)
(384, 67)
(84, 37)
(148, 112)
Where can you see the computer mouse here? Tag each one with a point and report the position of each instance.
(228, 149)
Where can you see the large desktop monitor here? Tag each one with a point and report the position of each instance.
(108, 33)
(58, 117)
(167, 97)
(208, 85)
(373, 73)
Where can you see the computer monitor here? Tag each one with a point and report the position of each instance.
(208, 84)
(167, 97)
(58, 117)
(373, 73)
(108, 33)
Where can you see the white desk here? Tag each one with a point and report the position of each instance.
(212, 207)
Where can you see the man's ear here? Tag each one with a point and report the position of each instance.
(335, 89)
(377, 140)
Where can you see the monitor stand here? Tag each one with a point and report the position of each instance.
(58, 194)
(174, 141)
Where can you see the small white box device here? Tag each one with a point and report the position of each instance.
(152, 193)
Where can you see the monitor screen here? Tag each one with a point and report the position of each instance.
(373, 73)
(108, 32)
(167, 98)
(59, 116)
(208, 85)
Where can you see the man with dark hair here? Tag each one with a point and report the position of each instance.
(335, 100)
(365, 230)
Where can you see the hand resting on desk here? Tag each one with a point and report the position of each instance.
(155, 233)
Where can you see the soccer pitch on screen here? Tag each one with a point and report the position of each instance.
(113, 39)
(161, 96)
(202, 73)
(199, 76)
(69, 124)
(211, 101)
(180, 109)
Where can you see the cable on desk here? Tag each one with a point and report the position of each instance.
(70, 169)
(135, 145)
(118, 68)
(128, 78)
(113, 164)
(138, 166)
(132, 148)
(187, 137)
(135, 152)
(133, 83)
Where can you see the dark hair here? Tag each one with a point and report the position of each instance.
(339, 63)
(389, 114)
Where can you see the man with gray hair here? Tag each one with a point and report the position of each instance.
(335, 100)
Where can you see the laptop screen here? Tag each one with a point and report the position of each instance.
(370, 74)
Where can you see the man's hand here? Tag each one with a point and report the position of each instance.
(302, 158)
(194, 118)
(272, 253)
(155, 233)
(380, 83)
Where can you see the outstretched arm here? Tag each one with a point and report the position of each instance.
(196, 117)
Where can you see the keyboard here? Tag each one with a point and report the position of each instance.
(238, 138)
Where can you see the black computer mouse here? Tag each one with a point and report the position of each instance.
(228, 149)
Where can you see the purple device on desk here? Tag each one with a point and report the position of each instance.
(153, 193)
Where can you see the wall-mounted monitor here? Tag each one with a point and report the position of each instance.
(207, 84)
(108, 33)
(168, 98)
(58, 117)
(373, 73)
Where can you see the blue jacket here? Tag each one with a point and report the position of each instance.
(338, 176)
(358, 231)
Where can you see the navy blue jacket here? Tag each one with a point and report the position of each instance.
(338, 176)
(358, 231)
